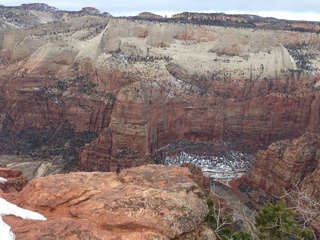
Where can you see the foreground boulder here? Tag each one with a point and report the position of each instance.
(147, 202)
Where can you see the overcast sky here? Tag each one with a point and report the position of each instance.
(287, 9)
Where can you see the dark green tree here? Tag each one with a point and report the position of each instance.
(241, 235)
(277, 222)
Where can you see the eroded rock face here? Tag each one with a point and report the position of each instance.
(97, 155)
(15, 181)
(285, 163)
(9, 173)
(146, 202)
(222, 95)
(290, 169)
(145, 83)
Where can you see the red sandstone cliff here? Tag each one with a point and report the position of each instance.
(142, 84)
(290, 169)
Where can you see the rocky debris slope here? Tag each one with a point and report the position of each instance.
(148, 202)
(216, 159)
(143, 84)
(30, 167)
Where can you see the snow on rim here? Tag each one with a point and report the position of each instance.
(7, 208)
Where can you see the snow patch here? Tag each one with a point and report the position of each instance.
(7, 208)
(292, 59)
(5, 230)
(222, 166)
(3, 180)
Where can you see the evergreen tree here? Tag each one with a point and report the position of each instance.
(278, 222)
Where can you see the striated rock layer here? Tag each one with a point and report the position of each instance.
(143, 83)
(148, 202)
(287, 163)
(291, 169)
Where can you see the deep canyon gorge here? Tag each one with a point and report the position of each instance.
(116, 97)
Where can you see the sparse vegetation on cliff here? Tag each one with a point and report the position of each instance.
(302, 54)
(278, 222)
(60, 139)
(273, 221)
(80, 84)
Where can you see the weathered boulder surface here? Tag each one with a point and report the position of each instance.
(15, 181)
(146, 202)
(9, 173)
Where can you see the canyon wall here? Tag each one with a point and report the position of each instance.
(143, 83)
(290, 169)
(285, 164)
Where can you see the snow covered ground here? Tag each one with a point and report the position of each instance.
(3, 180)
(7, 208)
(223, 166)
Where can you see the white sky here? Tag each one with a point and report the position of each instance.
(283, 9)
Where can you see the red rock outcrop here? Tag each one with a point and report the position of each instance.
(9, 173)
(147, 202)
(15, 180)
(290, 169)
(285, 163)
(97, 155)
(199, 178)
